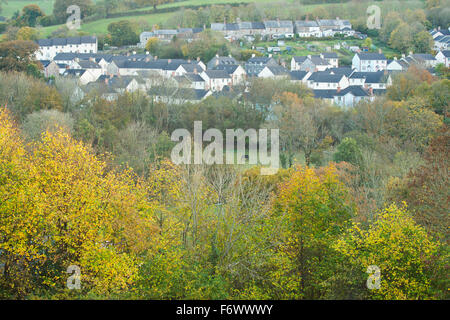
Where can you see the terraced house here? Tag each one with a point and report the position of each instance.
(49, 48)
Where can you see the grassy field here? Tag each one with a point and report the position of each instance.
(12, 6)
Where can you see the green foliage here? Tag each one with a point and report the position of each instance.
(348, 151)
(122, 33)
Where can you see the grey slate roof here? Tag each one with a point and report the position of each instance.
(325, 77)
(371, 56)
(446, 53)
(298, 75)
(301, 23)
(278, 70)
(217, 74)
(330, 55)
(87, 64)
(371, 77)
(228, 68)
(65, 41)
(357, 91)
(278, 24)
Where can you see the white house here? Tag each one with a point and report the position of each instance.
(306, 29)
(215, 80)
(270, 71)
(397, 65)
(443, 57)
(236, 72)
(324, 80)
(351, 95)
(376, 80)
(84, 76)
(332, 58)
(369, 61)
(49, 48)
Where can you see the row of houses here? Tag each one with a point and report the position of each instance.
(188, 34)
(285, 28)
(271, 28)
(49, 48)
(441, 38)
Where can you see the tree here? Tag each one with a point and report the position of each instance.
(423, 42)
(368, 43)
(122, 33)
(17, 55)
(348, 150)
(303, 125)
(401, 38)
(152, 45)
(426, 189)
(30, 14)
(39, 122)
(27, 33)
(72, 212)
(310, 212)
(399, 247)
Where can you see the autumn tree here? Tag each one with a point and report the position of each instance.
(310, 212)
(17, 55)
(30, 15)
(401, 250)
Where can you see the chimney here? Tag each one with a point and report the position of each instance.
(410, 53)
(338, 89)
(403, 56)
(156, 58)
(380, 51)
(147, 53)
(309, 56)
(169, 61)
(270, 55)
(217, 55)
(134, 52)
(439, 27)
(106, 80)
(253, 55)
(198, 59)
(395, 58)
(195, 71)
(189, 61)
(371, 91)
